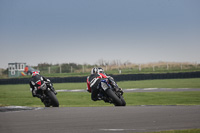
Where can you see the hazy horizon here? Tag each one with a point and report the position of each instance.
(138, 31)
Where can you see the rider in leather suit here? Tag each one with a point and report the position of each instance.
(97, 74)
(33, 88)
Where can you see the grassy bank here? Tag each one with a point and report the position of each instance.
(163, 83)
(20, 95)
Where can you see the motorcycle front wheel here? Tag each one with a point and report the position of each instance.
(114, 97)
(123, 101)
(54, 100)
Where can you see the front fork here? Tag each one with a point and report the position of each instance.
(104, 84)
(52, 88)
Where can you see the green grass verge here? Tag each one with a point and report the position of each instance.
(20, 95)
(162, 83)
(82, 99)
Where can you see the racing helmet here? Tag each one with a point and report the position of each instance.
(100, 70)
(35, 73)
(94, 70)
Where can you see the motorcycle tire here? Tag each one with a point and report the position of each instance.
(46, 102)
(114, 97)
(123, 101)
(54, 100)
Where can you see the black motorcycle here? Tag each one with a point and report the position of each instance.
(111, 94)
(47, 91)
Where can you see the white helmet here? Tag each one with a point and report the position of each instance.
(100, 70)
(94, 70)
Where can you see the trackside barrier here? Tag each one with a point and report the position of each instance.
(116, 77)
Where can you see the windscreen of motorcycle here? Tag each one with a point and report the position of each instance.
(104, 85)
(43, 86)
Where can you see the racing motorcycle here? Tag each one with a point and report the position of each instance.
(46, 90)
(110, 94)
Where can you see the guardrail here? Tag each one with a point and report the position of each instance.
(116, 77)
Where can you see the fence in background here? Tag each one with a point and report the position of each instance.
(122, 68)
(116, 77)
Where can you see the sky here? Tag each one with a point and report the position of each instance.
(86, 31)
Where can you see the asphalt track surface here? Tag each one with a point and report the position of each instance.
(129, 119)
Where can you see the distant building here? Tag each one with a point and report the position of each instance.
(16, 69)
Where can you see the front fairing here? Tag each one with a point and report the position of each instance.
(104, 84)
(38, 82)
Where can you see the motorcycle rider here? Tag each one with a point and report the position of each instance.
(97, 74)
(113, 83)
(33, 88)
